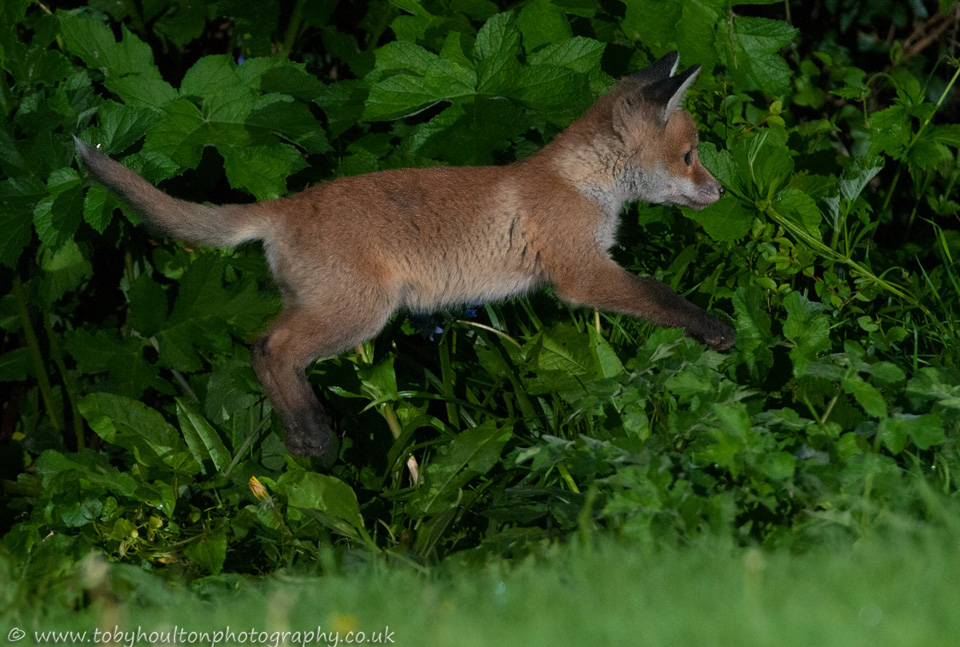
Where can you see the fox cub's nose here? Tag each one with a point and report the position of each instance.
(721, 190)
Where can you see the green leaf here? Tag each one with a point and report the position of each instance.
(209, 550)
(138, 428)
(753, 327)
(262, 170)
(808, 328)
(64, 270)
(541, 22)
(889, 131)
(94, 43)
(496, 50)
(147, 305)
(121, 126)
(925, 430)
(326, 494)
(130, 374)
(98, 207)
(202, 439)
(800, 208)
(57, 216)
(471, 453)
(16, 365)
(866, 395)
(752, 54)
(726, 220)
(605, 359)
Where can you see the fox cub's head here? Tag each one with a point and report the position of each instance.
(657, 140)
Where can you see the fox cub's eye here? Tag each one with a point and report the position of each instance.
(688, 157)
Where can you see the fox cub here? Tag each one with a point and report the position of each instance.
(348, 253)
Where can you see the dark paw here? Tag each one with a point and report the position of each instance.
(720, 336)
(322, 448)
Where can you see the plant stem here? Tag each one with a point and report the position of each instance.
(43, 380)
(69, 381)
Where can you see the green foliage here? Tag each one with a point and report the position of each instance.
(135, 424)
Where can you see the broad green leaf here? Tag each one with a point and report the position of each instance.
(541, 22)
(138, 428)
(753, 328)
(98, 207)
(857, 174)
(93, 42)
(889, 131)
(866, 395)
(283, 117)
(16, 365)
(751, 50)
(57, 216)
(121, 125)
(147, 308)
(496, 50)
(327, 494)
(726, 220)
(800, 208)
(130, 374)
(578, 54)
(209, 550)
(262, 170)
(86, 467)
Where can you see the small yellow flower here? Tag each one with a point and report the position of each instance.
(257, 488)
(342, 622)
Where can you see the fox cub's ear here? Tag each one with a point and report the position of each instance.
(668, 94)
(658, 71)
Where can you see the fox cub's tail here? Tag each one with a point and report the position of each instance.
(224, 226)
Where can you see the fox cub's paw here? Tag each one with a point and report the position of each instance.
(322, 450)
(718, 335)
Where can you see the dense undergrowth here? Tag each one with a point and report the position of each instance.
(133, 425)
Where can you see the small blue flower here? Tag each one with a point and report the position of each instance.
(427, 325)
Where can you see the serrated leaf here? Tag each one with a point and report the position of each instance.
(285, 118)
(753, 55)
(97, 207)
(130, 374)
(889, 131)
(93, 42)
(496, 50)
(808, 328)
(541, 22)
(866, 395)
(578, 54)
(63, 271)
(753, 327)
(121, 125)
(262, 170)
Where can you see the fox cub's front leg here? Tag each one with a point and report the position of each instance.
(605, 285)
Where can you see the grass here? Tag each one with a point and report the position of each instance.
(883, 591)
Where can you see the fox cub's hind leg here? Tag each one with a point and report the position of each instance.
(280, 359)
